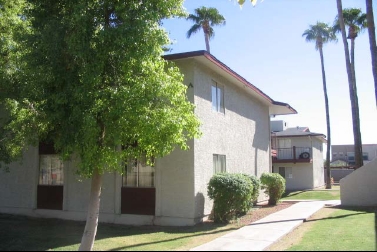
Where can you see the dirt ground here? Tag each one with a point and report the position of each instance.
(260, 211)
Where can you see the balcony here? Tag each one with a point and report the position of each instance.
(292, 155)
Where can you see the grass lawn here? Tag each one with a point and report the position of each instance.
(343, 230)
(24, 233)
(316, 194)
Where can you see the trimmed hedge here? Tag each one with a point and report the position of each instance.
(274, 185)
(232, 194)
(256, 186)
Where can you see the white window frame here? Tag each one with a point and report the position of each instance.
(219, 163)
(217, 94)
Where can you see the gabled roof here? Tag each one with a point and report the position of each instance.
(299, 132)
(207, 59)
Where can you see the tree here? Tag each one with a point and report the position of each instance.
(92, 81)
(253, 2)
(205, 18)
(321, 33)
(355, 21)
(372, 42)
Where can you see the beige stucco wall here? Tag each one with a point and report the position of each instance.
(359, 188)
(17, 187)
(302, 176)
(242, 133)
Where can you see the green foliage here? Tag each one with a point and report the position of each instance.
(89, 77)
(232, 194)
(274, 185)
(256, 186)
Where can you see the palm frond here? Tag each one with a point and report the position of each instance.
(320, 33)
(194, 29)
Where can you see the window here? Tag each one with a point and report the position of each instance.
(365, 156)
(341, 154)
(285, 172)
(217, 97)
(138, 174)
(350, 156)
(285, 143)
(50, 170)
(219, 163)
(334, 154)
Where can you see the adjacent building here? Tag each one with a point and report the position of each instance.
(297, 155)
(346, 153)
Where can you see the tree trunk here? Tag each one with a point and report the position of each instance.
(355, 118)
(206, 37)
(90, 231)
(372, 43)
(355, 113)
(328, 170)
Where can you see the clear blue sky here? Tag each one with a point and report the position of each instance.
(264, 44)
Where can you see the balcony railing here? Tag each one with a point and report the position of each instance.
(292, 155)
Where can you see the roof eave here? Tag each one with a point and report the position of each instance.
(275, 107)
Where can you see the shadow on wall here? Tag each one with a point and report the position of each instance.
(199, 200)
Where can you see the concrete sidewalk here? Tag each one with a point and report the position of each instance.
(260, 234)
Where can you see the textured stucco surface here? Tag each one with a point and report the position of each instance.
(17, 187)
(359, 188)
(241, 133)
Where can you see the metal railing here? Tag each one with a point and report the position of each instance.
(294, 153)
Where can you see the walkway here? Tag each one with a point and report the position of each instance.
(260, 234)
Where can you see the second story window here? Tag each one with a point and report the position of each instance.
(219, 163)
(217, 97)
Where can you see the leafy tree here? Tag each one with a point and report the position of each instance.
(205, 18)
(321, 33)
(372, 42)
(355, 20)
(90, 78)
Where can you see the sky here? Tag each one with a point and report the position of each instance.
(264, 44)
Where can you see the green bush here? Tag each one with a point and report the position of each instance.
(256, 186)
(232, 195)
(274, 185)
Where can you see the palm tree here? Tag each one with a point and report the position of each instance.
(355, 20)
(372, 43)
(205, 19)
(321, 33)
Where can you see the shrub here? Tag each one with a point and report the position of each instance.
(256, 186)
(231, 193)
(274, 185)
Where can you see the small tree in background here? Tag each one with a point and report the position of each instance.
(274, 185)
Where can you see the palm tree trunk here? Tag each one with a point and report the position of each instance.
(355, 118)
(206, 37)
(355, 113)
(90, 231)
(328, 171)
(372, 43)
